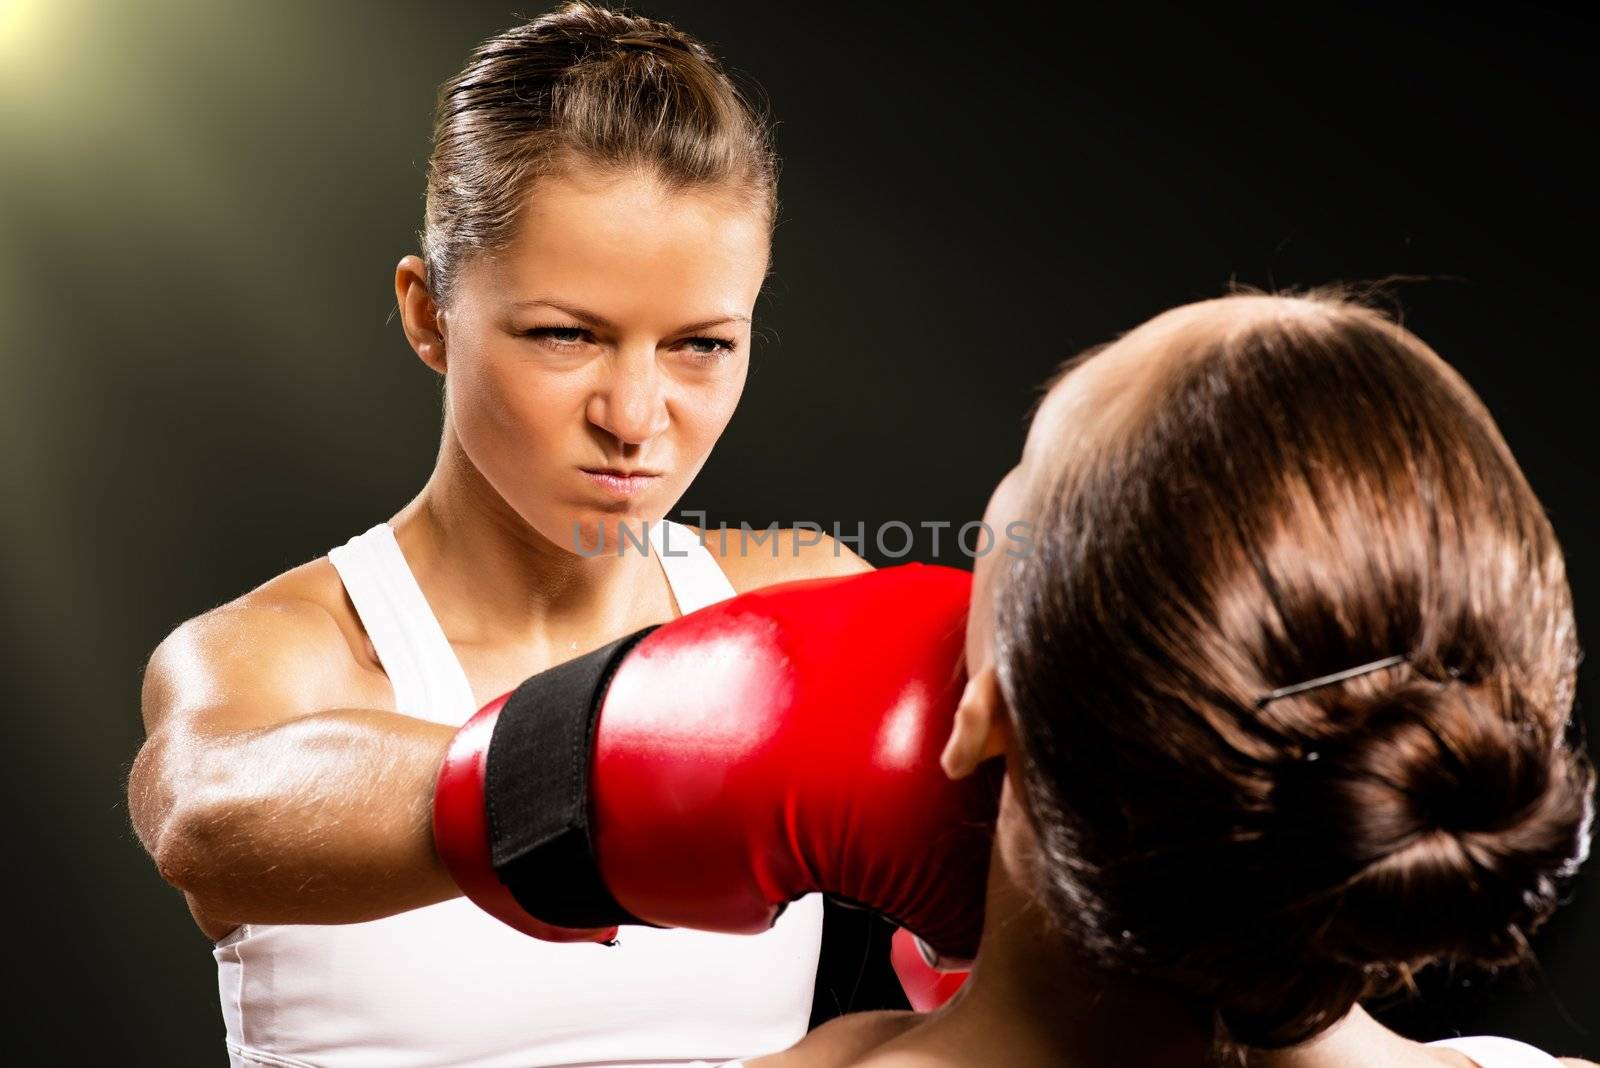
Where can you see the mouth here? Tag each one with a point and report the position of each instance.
(621, 482)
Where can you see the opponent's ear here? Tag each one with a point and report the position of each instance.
(981, 728)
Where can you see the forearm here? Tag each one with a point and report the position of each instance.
(322, 819)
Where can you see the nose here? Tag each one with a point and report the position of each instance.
(630, 402)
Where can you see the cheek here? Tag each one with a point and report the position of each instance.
(537, 407)
(704, 409)
(507, 412)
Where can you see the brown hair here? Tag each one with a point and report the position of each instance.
(584, 85)
(1309, 488)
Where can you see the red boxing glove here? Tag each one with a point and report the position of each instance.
(461, 833)
(708, 772)
(927, 985)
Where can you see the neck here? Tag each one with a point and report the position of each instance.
(1034, 999)
(490, 577)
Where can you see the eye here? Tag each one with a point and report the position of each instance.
(708, 348)
(558, 337)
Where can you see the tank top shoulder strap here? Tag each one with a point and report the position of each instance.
(691, 570)
(1491, 1051)
(426, 675)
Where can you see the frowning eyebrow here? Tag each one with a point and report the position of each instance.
(605, 324)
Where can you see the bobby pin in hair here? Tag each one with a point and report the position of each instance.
(1326, 680)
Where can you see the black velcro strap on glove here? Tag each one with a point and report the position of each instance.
(536, 788)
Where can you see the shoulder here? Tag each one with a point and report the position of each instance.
(293, 636)
(841, 1041)
(753, 557)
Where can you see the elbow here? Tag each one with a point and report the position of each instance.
(186, 850)
(191, 855)
(179, 834)
(191, 824)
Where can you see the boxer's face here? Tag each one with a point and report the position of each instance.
(1085, 411)
(614, 335)
(982, 729)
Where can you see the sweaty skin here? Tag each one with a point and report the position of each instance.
(277, 783)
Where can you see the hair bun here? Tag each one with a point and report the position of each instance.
(1438, 826)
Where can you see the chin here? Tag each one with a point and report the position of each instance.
(583, 532)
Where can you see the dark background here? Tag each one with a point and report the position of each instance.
(201, 205)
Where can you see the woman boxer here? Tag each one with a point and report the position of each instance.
(1283, 696)
(599, 210)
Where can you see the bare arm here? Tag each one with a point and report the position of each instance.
(263, 804)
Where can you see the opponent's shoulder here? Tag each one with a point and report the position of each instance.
(841, 1041)
(753, 557)
(284, 638)
(1577, 1062)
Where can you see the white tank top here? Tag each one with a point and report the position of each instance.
(450, 985)
(1486, 1051)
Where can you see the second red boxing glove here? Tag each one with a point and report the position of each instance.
(928, 984)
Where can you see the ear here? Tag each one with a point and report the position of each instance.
(982, 726)
(420, 318)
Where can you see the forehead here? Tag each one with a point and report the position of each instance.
(1111, 390)
(625, 200)
(593, 237)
